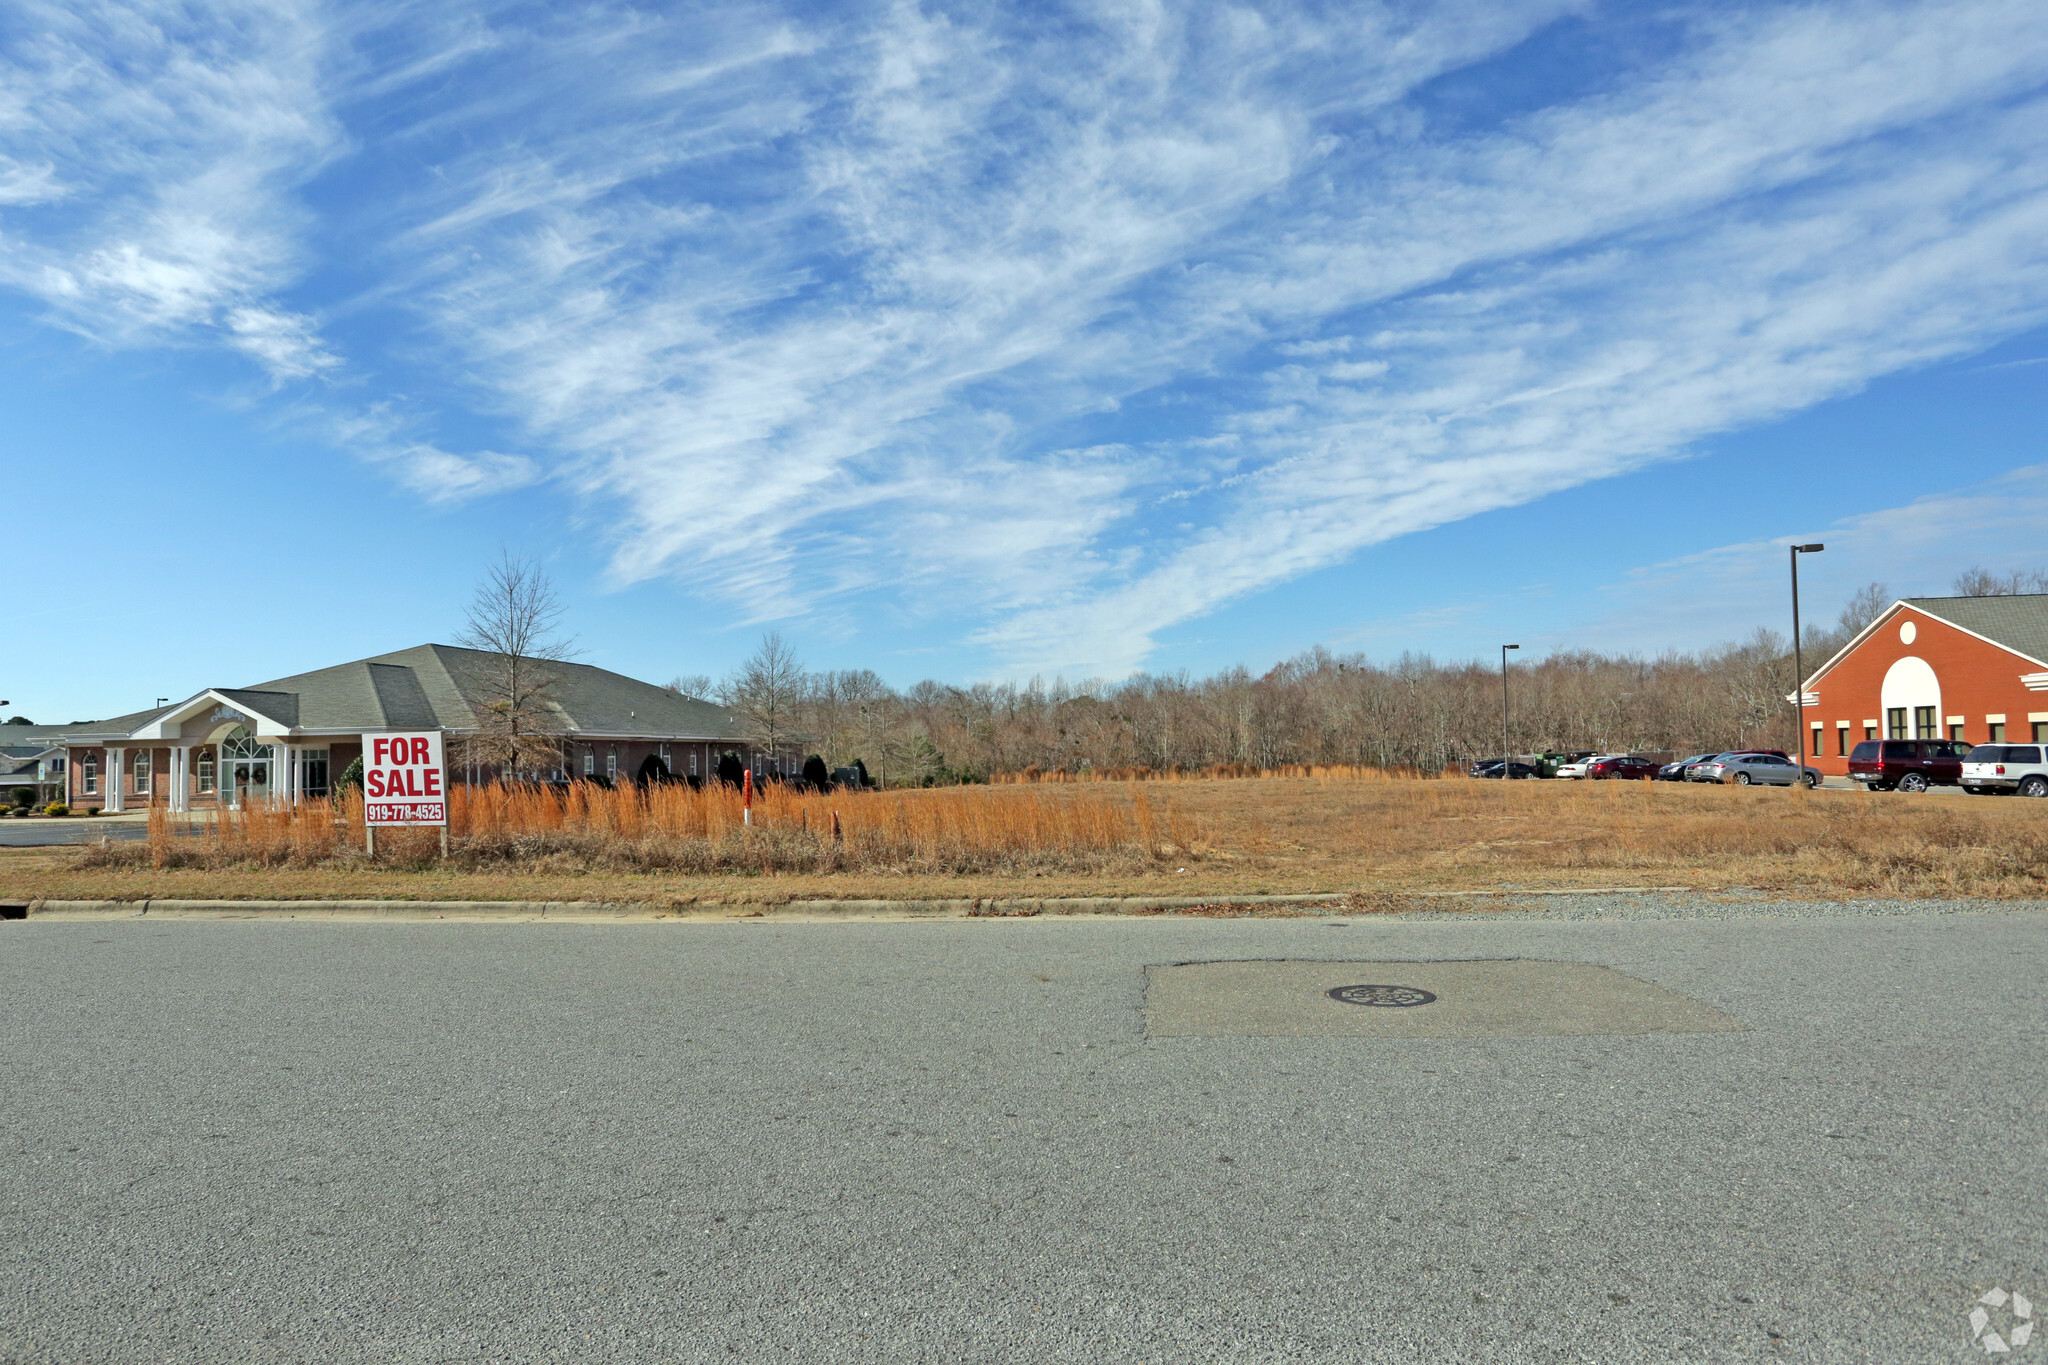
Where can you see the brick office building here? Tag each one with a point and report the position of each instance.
(1967, 668)
(288, 738)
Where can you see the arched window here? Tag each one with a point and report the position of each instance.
(241, 744)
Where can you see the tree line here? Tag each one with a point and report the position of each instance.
(1414, 712)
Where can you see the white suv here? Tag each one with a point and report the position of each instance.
(2005, 768)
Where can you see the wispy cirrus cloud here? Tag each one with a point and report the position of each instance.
(1060, 328)
(147, 159)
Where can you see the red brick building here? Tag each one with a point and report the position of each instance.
(1966, 668)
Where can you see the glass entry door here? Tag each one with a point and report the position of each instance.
(245, 768)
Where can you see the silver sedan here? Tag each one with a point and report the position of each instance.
(1747, 770)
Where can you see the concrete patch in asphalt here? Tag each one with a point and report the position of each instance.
(1514, 998)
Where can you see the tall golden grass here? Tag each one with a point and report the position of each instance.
(676, 828)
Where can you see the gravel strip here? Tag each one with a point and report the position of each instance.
(1692, 905)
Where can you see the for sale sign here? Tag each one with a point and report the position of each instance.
(403, 781)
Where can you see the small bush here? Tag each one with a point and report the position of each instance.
(56, 808)
(93, 810)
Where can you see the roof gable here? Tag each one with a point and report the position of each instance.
(2018, 622)
(2019, 626)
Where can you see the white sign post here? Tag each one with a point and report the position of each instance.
(404, 783)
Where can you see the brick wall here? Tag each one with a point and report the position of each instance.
(1977, 680)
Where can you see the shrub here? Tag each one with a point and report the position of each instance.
(93, 810)
(56, 808)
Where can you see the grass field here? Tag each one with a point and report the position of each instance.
(1337, 831)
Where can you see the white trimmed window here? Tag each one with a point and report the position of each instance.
(89, 777)
(611, 762)
(589, 762)
(204, 768)
(142, 758)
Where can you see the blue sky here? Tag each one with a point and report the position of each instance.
(992, 341)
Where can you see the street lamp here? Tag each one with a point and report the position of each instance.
(1799, 671)
(1506, 762)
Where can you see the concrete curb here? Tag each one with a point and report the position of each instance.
(966, 908)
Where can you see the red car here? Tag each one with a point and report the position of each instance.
(1628, 767)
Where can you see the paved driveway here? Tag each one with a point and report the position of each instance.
(51, 833)
(960, 1141)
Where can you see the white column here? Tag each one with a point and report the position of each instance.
(175, 780)
(112, 797)
(280, 757)
(184, 760)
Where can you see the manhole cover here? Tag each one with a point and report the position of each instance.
(1396, 997)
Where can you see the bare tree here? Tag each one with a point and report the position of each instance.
(695, 686)
(767, 691)
(1866, 606)
(1981, 582)
(514, 620)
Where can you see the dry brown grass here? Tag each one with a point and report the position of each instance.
(1215, 772)
(1331, 832)
(675, 829)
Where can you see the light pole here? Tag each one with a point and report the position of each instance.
(1506, 762)
(1799, 671)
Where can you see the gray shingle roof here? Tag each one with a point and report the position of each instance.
(439, 687)
(2020, 622)
(442, 685)
(112, 725)
(19, 759)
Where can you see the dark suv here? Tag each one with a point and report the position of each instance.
(1910, 765)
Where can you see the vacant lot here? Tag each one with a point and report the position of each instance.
(1228, 836)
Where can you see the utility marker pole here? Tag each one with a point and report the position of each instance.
(1506, 771)
(1799, 672)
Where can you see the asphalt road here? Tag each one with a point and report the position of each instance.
(51, 833)
(956, 1141)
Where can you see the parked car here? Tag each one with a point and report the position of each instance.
(1514, 770)
(1753, 768)
(1907, 765)
(1697, 772)
(1675, 772)
(1695, 768)
(1578, 768)
(1626, 767)
(2003, 769)
(1547, 764)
